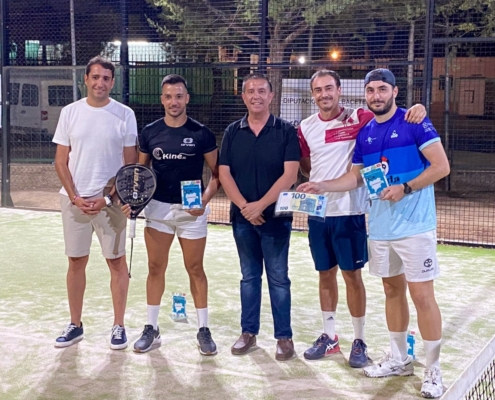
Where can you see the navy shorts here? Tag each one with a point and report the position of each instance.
(338, 241)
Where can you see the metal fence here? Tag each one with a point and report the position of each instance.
(442, 52)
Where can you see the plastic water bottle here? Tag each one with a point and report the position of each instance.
(411, 341)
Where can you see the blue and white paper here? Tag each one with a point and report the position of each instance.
(178, 307)
(375, 180)
(191, 194)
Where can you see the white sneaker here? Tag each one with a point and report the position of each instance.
(390, 367)
(432, 383)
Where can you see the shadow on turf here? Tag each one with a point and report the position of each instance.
(110, 381)
(398, 385)
(165, 380)
(291, 379)
(67, 382)
(169, 385)
(57, 386)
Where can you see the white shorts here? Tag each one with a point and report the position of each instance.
(415, 256)
(172, 219)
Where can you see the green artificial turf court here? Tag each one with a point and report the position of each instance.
(34, 310)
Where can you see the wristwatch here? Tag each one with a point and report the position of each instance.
(108, 200)
(407, 188)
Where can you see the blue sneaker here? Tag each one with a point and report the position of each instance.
(207, 346)
(70, 335)
(118, 340)
(359, 354)
(150, 338)
(323, 346)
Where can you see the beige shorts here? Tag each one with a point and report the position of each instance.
(109, 225)
(415, 256)
(172, 219)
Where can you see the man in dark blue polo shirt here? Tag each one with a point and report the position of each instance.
(259, 159)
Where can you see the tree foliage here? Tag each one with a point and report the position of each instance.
(199, 26)
(466, 17)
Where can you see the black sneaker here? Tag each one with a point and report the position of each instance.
(118, 340)
(207, 346)
(70, 335)
(149, 338)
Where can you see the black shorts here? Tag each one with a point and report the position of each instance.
(338, 241)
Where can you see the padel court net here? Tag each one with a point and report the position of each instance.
(477, 382)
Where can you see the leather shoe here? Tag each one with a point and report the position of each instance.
(285, 349)
(243, 344)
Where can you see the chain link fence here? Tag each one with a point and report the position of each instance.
(443, 55)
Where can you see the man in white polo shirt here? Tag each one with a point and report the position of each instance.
(95, 136)
(327, 141)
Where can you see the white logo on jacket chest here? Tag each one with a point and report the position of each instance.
(188, 142)
(158, 154)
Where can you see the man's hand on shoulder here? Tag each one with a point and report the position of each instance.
(416, 114)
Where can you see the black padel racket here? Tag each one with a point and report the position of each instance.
(135, 185)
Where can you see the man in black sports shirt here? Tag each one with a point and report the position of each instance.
(176, 147)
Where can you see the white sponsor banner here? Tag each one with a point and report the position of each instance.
(297, 102)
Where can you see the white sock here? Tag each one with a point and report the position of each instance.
(358, 324)
(432, 350)
(329, 323)
(153, 312)
(398, 345)
(202, 314)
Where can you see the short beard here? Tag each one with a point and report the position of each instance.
(178, 115)
(388, 106)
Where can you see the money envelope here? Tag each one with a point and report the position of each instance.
(307, 203)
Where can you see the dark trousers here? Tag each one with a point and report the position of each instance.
(268, 243)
